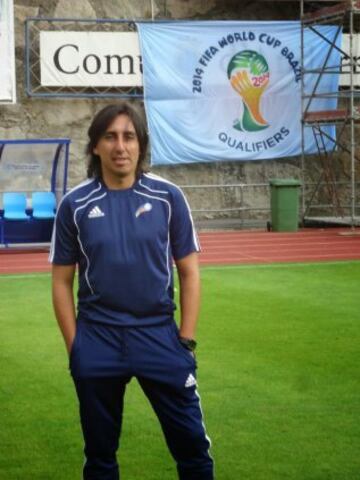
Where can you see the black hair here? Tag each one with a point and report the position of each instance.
(98, 127)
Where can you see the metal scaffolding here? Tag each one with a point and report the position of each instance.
(339, 148)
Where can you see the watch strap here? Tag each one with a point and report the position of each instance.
(188, 343)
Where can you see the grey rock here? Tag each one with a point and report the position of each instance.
(21, 13)
(130, 10)
(188, 9)
(69, 8)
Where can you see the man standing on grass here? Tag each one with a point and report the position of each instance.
(122, 228)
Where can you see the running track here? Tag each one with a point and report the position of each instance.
(234, 247)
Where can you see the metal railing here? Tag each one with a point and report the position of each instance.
(247, 203)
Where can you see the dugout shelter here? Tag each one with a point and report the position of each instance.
(31, 170)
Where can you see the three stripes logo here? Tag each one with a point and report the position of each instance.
(190, 381)
(96, 212)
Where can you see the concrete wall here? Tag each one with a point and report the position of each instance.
(33, 117)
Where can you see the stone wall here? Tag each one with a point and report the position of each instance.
(35, 117)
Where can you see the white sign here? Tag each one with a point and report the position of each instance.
(7, 53)
(90, 59)
(344, 79)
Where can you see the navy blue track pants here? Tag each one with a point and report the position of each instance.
(103, 360)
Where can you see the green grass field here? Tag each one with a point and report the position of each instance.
(279, 350)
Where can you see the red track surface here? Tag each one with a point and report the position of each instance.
(309, 245)
(239, 247)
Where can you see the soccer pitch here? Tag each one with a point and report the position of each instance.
(278, 375)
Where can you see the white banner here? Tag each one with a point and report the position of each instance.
(345, 80)
(7, 53)
(90, 59)
(219, 91)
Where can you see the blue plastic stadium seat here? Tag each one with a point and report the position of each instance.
(43, 204)
(15, 206)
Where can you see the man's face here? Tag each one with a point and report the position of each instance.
(119, 150)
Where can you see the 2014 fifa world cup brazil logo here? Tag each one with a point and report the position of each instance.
(249, 74)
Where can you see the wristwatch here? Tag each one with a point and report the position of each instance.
(188, 343)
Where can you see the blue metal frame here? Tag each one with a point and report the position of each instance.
(2, 239)
(55, 166)
(33, 141)
(69, 94)
(66, 168)
(61, 142)
(36, 140)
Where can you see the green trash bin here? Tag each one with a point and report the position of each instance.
(284, 204)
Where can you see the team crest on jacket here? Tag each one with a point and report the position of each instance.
(143, 209)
